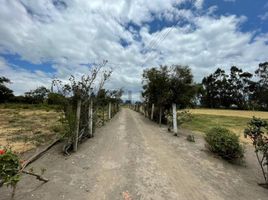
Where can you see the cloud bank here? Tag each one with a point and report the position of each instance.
(71, 33)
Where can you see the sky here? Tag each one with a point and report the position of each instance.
(46, 39)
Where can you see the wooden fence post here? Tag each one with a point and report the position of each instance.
(152, 112)
(144, 110)
(77, 122)
(160, 116)
(174, 111)
(110, 107)
(90, 118)
(112, 110)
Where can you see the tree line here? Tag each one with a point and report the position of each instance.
(43, 95)
(237, 89)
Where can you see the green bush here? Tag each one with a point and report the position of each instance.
(224, 143)
(56, 99)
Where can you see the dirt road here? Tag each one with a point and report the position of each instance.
(133, 158)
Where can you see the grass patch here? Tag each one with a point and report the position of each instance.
(203, 123)
(24, 129)
(28, 106)
(231, 113)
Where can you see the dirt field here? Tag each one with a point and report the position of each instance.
(233, 113)
(133, 158)
(25, 129)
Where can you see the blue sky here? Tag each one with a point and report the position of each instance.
(253, 10)
(43, 39)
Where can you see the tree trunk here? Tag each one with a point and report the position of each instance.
(78, 111)
(174, 111)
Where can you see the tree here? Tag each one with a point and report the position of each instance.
(80, 94)
(182, 88)
(56, 99)
(114, 96)
(5, 93)
(37, 96)
(257, 131)
(216, 90)
(156, 88)
(224, 90)
(261, 88)
(247, 89)
(166, 85)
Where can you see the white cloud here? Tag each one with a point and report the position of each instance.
(264, 17)
(90, 31)
(23, 80)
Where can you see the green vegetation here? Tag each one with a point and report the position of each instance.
(237, 89)
(166, 85)
(203, 122)
(9, 167)
(257, 131)
(224, 143)
(5, 93)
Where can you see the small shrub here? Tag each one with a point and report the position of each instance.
(257, 131)
(224, 143)
(190, 138)
(9, 167)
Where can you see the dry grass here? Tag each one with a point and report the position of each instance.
(234, 120)
(25, 129)
(233, 113)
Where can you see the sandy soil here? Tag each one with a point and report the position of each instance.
(133, 158)
(234, 113)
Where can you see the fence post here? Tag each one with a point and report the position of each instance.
(160, 115)
(90, 118)
(110, 107)
(152, 112)
(174, 111)
(77, 122)
(112, 110)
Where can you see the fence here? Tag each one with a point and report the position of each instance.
(84, 116)
(149, 112)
